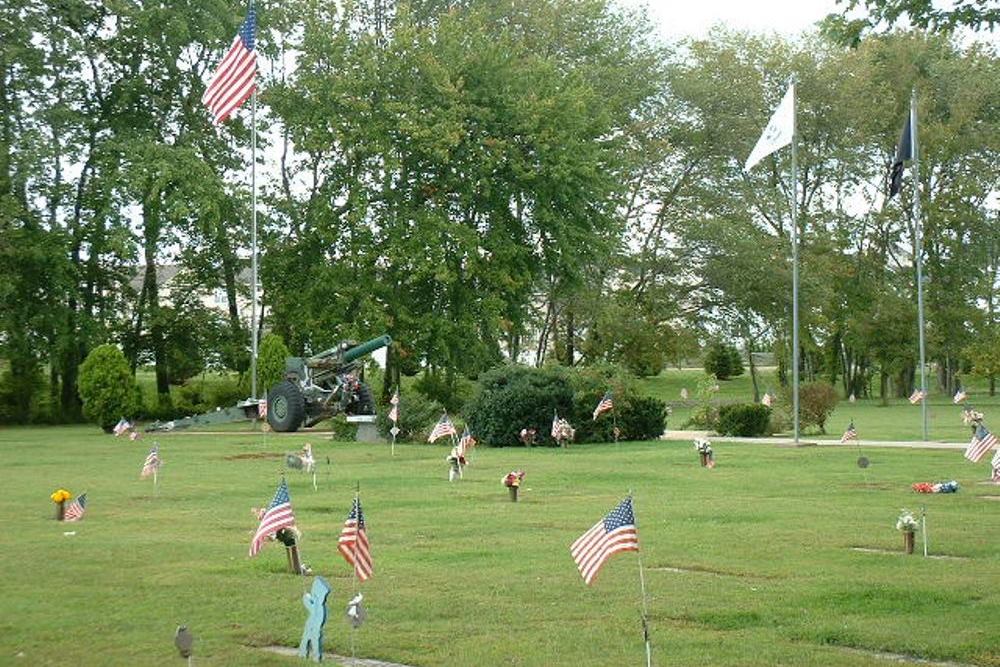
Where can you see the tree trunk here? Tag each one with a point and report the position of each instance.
(151, 237)
(570, 334)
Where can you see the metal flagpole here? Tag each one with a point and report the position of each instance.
(795, 270)
(923, 520)
(918, 252)
(642, 587)
(253, 244)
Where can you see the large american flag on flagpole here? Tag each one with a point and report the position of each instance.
(982, 442)
(353, 544)
(614, 533)
(235, 80)
(74, 511)
(278, 515)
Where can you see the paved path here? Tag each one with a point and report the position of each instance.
(786, 441)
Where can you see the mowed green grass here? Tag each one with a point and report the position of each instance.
(900, 420)
(465, 577)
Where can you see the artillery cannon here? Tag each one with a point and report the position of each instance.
(318, 387)
(313, 389)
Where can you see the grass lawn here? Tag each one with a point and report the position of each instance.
(897, 421)
(747, 564)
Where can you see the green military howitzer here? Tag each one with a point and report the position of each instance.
(321, 386)
(313, 389)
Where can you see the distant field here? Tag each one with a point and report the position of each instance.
(898, 421)
(748, 564)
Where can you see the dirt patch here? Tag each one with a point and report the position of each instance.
(695, 569)
(902, 658)
(335, 659)
(917, 553)
(254, 455)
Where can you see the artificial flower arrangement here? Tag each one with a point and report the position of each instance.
(704, 448)
(513, 478)
(971, 417)
(60, 496)
(906, 522)
(512, 481)
(940, 487)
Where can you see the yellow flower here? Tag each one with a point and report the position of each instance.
(60, 495)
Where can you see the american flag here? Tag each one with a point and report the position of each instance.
(152, 463)
(917, 396)
(442, 428)
(121, 427)
(75, 510)
(605, 405)
(960, 396)
(766, 399)
(134, 435)
(995, 464)
(850, 434)
(353, 544)
(235, 80)
(466, 442)
(981, 443)
(394, 411)
(614, 533)
(278, 515)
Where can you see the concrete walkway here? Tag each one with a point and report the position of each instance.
(786, 441)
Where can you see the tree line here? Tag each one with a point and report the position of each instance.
(542, 180)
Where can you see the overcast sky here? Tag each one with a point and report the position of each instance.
(693, 18)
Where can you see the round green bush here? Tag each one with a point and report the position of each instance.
(106, 387)
(513, 397)
(747, 420)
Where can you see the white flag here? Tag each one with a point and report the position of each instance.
(778, 132)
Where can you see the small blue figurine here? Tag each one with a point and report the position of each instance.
(312, 634)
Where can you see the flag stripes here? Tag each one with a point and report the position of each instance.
(982, 442)
(235, 79)
(74, 511)
(613, 534)
(353, 544)
(277, 516)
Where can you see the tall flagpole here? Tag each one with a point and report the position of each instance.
(253, 244)
(918, 243)
(795, 270)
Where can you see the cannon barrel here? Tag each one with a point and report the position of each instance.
(351, 353)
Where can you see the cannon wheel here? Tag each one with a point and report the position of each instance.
(286, 408)
(364, 403)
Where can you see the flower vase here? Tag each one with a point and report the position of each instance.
(294, 564)
(704, 459)
(908, 540)
(60, 510)
(513, 493)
